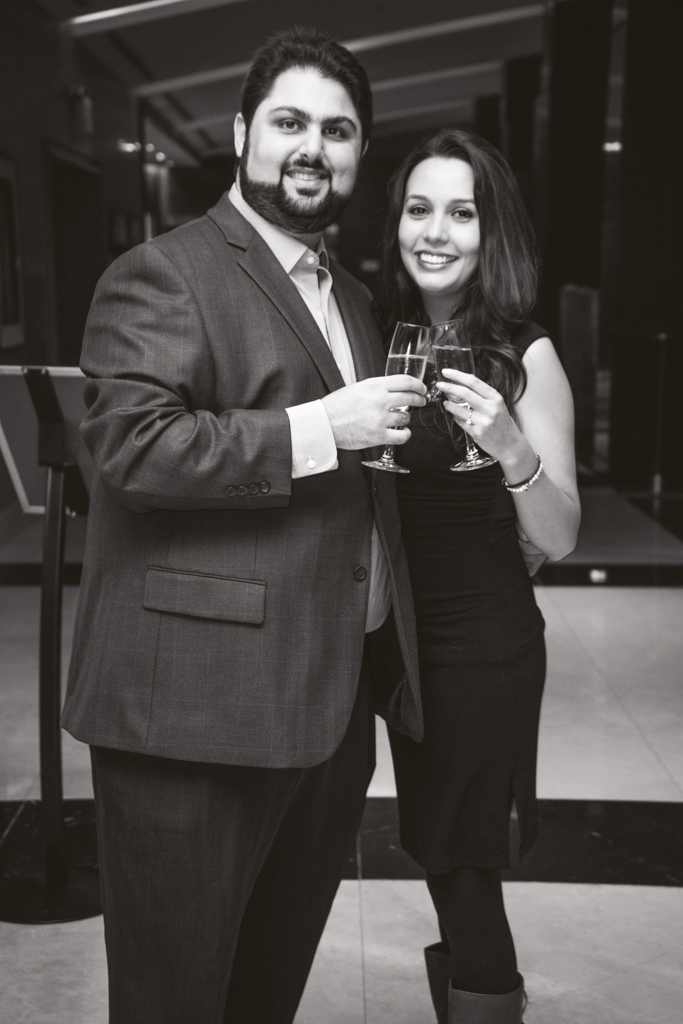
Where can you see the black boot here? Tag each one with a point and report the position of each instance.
(475, 1008)
(439, 970)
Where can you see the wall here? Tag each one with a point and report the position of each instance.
(38, 72)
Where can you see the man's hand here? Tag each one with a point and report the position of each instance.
(368, 413)
(533, 556)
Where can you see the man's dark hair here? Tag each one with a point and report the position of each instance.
(306, 48)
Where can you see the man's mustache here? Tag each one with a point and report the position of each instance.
(311, 165)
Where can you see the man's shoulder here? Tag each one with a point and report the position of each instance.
(187, 249)
(220, 225)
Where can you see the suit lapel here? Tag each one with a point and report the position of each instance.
(262, 266)
(368, 357)
(264, 269)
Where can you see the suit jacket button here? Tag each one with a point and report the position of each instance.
(360, 573)
(231, 491)
(264, 487)
(253, 488)
(242, 490)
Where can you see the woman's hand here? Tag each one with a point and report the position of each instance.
(548, 513)
(485, 416)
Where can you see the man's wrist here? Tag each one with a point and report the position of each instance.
(313, 445)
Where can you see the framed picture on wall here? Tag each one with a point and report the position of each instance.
(11, 326)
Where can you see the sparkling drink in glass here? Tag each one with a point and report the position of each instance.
(408, 353)
(451, 350)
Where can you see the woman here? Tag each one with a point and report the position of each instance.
(459, 244)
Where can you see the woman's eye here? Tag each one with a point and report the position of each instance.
(463, 214)
(417, 211)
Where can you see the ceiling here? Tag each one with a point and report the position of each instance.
(427, 61)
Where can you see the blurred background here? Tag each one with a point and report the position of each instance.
(115, 126)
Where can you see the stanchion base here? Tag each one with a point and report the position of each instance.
(27, 900)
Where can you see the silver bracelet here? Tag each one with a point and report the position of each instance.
(525, 484)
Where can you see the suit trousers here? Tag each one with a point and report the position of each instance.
(217, 880)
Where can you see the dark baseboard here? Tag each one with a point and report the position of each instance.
(607, 842)
(28, 574)
(610, 575)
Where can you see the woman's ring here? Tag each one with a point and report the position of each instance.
(468, 421)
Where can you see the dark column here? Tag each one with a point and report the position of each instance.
(576, 89)
(521, 90)
(487, 119)
(645, 326)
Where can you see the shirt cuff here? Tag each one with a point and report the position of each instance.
(313, 447)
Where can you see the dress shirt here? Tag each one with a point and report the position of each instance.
(313, 445)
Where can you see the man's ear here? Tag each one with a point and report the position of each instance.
(240, 130)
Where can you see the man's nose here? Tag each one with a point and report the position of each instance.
(311, 145)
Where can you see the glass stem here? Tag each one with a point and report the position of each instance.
(472, 450)
(388, 454)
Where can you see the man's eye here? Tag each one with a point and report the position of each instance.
(289, 124)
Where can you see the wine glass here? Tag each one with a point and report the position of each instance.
(408, 353)
(452, 351)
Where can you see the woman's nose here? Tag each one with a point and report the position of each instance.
(435, 231)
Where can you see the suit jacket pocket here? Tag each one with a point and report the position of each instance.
(203, 596)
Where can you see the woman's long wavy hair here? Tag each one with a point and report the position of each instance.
(502, 294)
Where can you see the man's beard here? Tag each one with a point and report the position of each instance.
(276, 206)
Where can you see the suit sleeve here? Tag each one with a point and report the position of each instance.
(153, 435)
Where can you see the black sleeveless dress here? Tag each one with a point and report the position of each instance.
(482, 656)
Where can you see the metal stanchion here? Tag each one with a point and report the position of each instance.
(59, 892)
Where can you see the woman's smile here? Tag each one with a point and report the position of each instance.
(435, 260)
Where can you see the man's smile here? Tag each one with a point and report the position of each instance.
(306, 174)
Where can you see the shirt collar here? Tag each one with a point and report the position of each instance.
(287, 250)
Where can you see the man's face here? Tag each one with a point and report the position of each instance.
(300, 160)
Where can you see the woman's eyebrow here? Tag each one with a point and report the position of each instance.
(425, 199)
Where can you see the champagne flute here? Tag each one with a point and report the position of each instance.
(408, 354)
(452, 351)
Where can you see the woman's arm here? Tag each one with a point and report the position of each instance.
(549, 511)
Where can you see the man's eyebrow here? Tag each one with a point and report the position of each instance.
(303, 115)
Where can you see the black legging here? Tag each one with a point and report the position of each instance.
(469, 902)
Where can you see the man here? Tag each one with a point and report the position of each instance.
(237, 554)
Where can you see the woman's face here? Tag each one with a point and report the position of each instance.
(438, 233)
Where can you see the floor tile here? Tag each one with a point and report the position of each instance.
(607, 954)
(383, 781)
(592, 745)
(53, 974)
(19, 757)
(398, 921)
(334, 992)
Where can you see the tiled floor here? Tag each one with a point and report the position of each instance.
(590, 955)
(611, 730)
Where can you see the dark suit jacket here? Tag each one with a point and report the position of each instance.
(222, 606)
